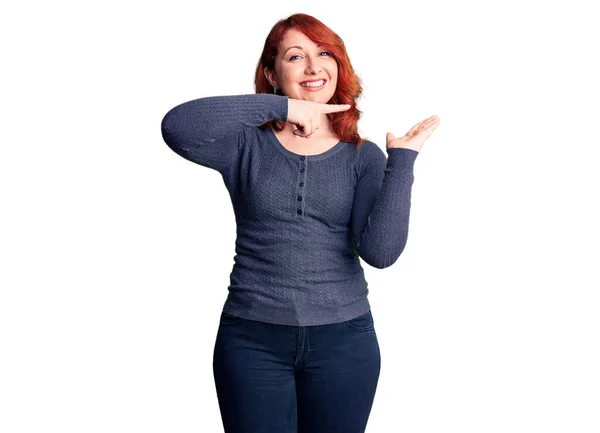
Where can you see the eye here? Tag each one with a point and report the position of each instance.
(328, 53)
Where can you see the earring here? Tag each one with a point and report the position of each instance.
(275, 90)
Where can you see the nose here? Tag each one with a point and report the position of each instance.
(312, 66)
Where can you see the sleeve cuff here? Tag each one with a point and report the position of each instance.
(401, 157)
(278, 105)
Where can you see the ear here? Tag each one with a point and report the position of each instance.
(270, 75)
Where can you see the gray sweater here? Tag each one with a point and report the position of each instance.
(303, 222)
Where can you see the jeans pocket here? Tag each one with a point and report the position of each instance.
(229, 319)
(362, 323)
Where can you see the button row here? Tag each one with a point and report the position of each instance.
(299, 198)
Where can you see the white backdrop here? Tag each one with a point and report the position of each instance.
(116, 252)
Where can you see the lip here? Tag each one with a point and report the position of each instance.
(314, 89)
(312, 81)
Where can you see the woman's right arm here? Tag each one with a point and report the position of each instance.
(209, 131)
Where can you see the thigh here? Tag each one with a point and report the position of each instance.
(337, 384)
(254, 376)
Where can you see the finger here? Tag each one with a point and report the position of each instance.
(301, 131)
(310, 129)
(431, 128)
(428, 130)
(425, 132)
(334, 108)
(422, 124)
(433, 120)
(412, 130)
(431, 125)
(308, 136)
(300, 128)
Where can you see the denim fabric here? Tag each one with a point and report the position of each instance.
(274, 378)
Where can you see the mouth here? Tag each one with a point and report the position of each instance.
(313, 84)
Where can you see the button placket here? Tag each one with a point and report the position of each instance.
(300, 186)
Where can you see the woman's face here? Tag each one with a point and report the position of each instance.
(295, 65)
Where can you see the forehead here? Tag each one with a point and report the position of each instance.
(295, 37)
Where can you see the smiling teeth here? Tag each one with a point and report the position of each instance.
(313, 84)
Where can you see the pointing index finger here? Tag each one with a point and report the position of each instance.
(333, 108)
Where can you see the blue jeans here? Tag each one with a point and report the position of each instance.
(296, 379)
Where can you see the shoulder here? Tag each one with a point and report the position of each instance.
(370, 154)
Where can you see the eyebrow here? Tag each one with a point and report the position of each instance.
(296, 46)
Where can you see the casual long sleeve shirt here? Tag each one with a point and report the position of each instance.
(304, 222)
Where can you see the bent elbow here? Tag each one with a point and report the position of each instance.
(382, 262)
(167, 127)
(382, 257)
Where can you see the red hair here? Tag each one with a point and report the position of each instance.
(349, 88)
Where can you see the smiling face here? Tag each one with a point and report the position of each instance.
(299, 60)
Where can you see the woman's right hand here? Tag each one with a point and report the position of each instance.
(307, 115)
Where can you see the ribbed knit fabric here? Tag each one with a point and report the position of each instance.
(302, 221)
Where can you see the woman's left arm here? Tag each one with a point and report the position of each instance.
(382, 200)
(381, 209)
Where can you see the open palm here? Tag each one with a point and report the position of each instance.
(415, 138)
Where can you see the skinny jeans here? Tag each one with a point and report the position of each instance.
(295, 379)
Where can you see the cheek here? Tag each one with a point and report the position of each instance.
(290, 77)
(334, 74)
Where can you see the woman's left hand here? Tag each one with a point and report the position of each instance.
(415, 138)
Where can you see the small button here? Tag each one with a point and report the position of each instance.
(301, 183)
(302, 158)
(299, 198)
(299, 211)
(302, 170)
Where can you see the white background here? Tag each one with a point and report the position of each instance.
(116, 252)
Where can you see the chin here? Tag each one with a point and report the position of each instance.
(318, 97)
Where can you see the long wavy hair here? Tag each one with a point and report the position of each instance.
(349, 87)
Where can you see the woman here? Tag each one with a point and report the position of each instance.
(296, 349)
